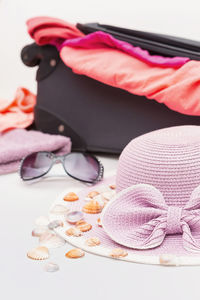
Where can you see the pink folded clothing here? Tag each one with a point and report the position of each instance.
(47, 30)
(101, 40)
(17, 143)
(179, 89)
(171, 81)
(17, 112)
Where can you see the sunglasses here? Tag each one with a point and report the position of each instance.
(80, 166)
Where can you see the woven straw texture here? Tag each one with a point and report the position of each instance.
(168, 160)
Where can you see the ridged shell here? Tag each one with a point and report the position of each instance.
(93, 241)
(100, 199)
(118, 252)
(51, 267)
(39, 230)
(75, 253)
(73, 231)
(92, 194)
(109, 195)
(74, 216)
(92, 207)
(59, 210)
(51, 240)
(38, 253)
(55, 224)
(70, 197)
(83, 226)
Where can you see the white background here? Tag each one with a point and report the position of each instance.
(92, 277)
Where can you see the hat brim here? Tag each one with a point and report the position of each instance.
(171, 246)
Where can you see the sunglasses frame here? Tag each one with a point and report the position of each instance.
(61, 158)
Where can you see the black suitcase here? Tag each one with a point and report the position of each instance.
(98, 117)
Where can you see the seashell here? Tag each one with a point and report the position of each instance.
(39, 230)
(51, 240)
(87, 199)
(54, 224)
(100, 199)
(99, 222)
(118, 252)
(42, 221)
(93, 241)
(73, 231)
(75, 253)
(51, 267)
(109, 195)
(74, 216)
(59, 210)
(83, 226)
(112, 186)
(92, 207)
(80, 222)
(92, 194)
(38, 253)
(71, 197)
(168, 260)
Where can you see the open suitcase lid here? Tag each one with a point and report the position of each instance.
(155, 43)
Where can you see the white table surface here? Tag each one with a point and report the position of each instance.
(92, 277)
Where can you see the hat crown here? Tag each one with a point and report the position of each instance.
(168, 159)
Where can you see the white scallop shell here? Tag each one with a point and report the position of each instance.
(38, 253)
(59, 210)
(100, 200)
(51, 267)
(109, 195)
(39, 230)
(54, 224)
(93, 241)
(42, 221)
(51, 240)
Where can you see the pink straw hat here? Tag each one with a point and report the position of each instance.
(155, 215)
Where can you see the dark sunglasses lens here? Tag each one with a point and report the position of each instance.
(82, 166)
(35, 165)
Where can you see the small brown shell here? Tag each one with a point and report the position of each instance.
(92, 194)
(118, 252)
(99, 222)
(112, 186)
(92, 207)
(70, 197)
(73, 231)
(38, 253)
(75, 253)
(93, 241)
(83, 226)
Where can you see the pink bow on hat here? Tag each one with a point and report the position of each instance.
(139, 218)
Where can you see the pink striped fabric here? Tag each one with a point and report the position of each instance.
(158, 191)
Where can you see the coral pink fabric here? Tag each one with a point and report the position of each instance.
(101, 39)
(17, 112)
(47, 30)
(172, 81)
(179, 89)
